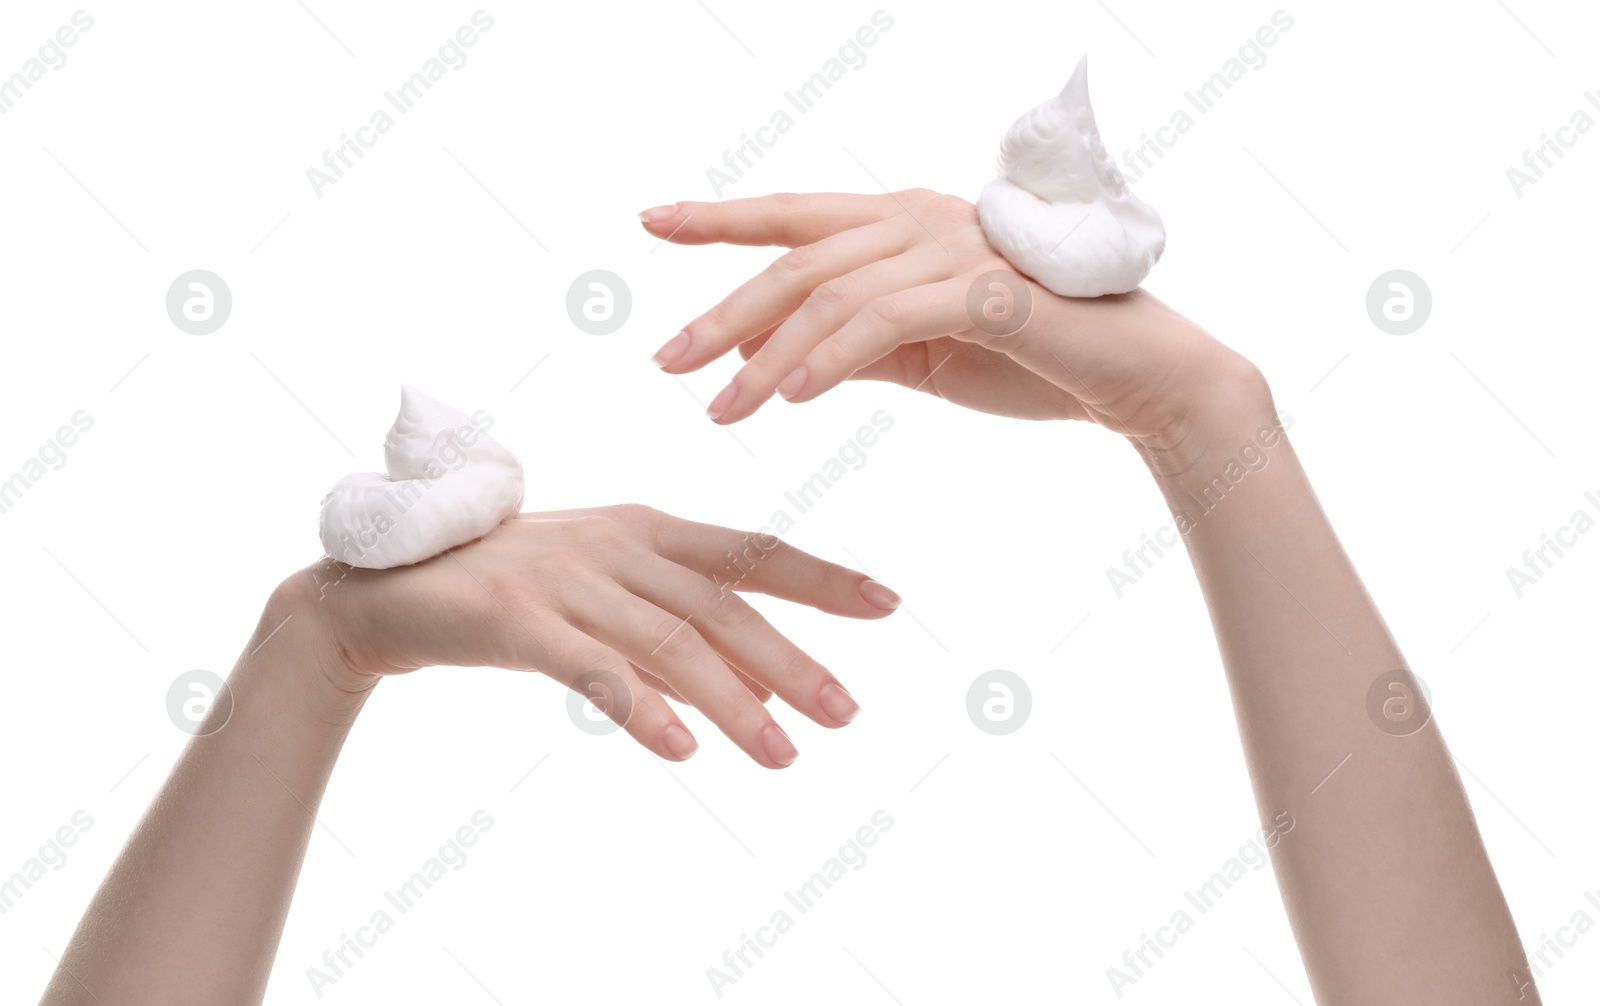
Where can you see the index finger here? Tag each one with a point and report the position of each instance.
(753, 562)
(784, 218)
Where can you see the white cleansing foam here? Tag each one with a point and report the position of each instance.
(1061, 211)
(448, 483)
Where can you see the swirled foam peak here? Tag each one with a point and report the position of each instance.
(1061, 211)
(448, 483)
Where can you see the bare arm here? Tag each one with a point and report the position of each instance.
(194, 906)
(623, 604)
(1385, 877)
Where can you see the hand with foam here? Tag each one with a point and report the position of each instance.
(622, 604)
(899, 288)
(903, 287)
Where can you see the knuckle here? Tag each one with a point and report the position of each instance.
(714, 321)
(741, 708)
(747, 549)
(974, 243)
(512, 590)
(678, 641)
(731, 613)
(833, 294)
(761, 546)
(915, 197)
(951, 208)
(787, 200)
(606, 685)
(637, 514)
(885, 313)
(796, 261)
(567, 577)
(798, 667)
(831, 357)
(598, 531)
(992, 262)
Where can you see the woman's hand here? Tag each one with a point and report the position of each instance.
(619, 603)
(882, 288)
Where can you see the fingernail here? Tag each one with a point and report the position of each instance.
(879, 596)
(793, 383)
(836, 702)
(672, 351)
(724, 398)
(656, 214)
(679, 742)
(778, 746)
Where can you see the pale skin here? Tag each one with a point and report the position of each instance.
(1387, 885)
(194, 906)
(1388, 888)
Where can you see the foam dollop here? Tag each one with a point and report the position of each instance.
(1061, 211)
(448, 483)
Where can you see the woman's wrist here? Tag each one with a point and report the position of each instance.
(1231, 429)
(297, 632)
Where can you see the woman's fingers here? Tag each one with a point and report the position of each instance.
(764, 301)
(760, 691)
(879, 328)
(743, 637)
(825, 309)
(670, 647)
(602, 676)
(784, 218)
(755, 562)
(657, 684)
(751, 347)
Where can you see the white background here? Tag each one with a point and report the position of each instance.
(1377, 136)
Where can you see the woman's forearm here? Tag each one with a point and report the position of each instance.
(1385, 877)
(194, 906)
